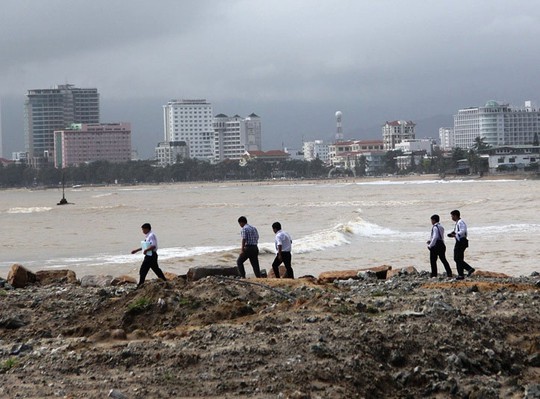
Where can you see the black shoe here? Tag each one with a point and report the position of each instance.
(470, 271)
(460, 278)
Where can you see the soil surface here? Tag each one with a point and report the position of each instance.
(406, 337)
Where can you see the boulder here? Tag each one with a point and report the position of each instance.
(96, 281)
(47, 277)
(328, 277)
(123, 280)
(410, 270)
(199, 272)
(486, 273)
(170, 276)
(20, 277)
(282, 272)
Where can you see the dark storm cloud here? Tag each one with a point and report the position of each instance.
(373, 60)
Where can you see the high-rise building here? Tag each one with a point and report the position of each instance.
(234, 135)
(498, 124)
(190, 121)
(47, 110)
(395, 132)
(446, 138)
(315, 150)
(88, 142)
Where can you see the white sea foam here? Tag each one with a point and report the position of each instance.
(420, 182)
(343, 234)
(34, 209)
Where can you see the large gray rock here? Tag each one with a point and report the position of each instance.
(198, 272)
(96, 281)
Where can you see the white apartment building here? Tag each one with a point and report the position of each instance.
(395, 132)
(190, 121)
(446, 138)
(316, 149)
(416, 145)
(235, 135)
(498, 124)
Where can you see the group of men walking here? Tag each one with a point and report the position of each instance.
(249, 250)
(437, 248)
(250, 240)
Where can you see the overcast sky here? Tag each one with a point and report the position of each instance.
(292, 62)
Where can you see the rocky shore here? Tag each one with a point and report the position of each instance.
(404, 336)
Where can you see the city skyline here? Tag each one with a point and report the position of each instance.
(289, 62)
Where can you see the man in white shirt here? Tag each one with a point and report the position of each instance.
(283, 251)
(149, 247)
(460, 234)
(437, 248)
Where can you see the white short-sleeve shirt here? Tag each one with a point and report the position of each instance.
(284, 239)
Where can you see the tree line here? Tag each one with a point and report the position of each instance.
(134, 172)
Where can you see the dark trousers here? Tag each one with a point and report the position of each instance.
(439, 251)
(286, 260)
(459, 257)
(251, 252)
(150, 262)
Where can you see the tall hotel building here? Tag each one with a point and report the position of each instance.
(235, 135)
(498, 124)
(47, 110)
(88, 142)
(190, 121)
(395, 132)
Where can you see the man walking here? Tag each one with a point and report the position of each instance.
(249, 249)
(149, 247)
(283, 251)
(437, 248)
(460, 234)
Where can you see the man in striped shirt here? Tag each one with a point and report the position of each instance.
(249, 250)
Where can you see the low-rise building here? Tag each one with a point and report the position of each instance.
(272, 156)
(507, 158)
(415, 145)
(168, 153)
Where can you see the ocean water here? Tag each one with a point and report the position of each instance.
(335, 225)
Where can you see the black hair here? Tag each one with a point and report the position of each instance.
(146, 226)
(242, 219)
(276, 225)
(455, 212)
(435, 217)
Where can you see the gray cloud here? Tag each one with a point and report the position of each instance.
(374, 60)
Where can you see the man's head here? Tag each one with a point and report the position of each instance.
(276, 226)
(455, 215)
(146, 228)
(242, 221)
(435, 219)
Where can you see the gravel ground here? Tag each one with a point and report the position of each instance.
(406, 337)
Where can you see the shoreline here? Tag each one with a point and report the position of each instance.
(396, 178)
